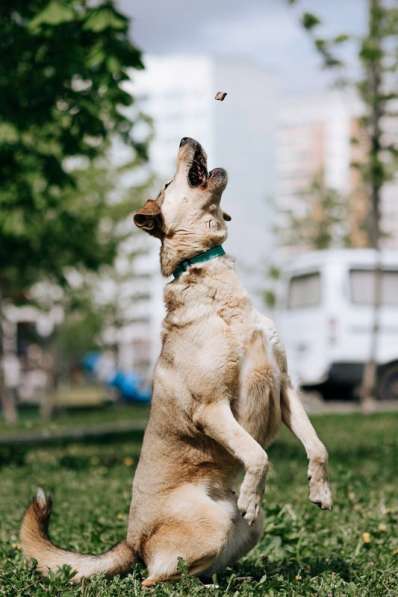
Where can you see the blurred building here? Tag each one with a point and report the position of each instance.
(314, 137)
(177, 92)
(129, 292)
(272, 148)
(238, 134)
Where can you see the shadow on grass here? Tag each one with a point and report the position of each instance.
(280, 451)
(291, 569)
(291, 452)
(17, 455)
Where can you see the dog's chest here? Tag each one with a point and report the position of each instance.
(208, 346)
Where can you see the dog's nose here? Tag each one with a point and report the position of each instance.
(183, 141)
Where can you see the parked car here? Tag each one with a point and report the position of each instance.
(326, 315)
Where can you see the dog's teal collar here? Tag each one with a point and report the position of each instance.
(182, 267)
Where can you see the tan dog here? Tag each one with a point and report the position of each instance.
(221, 390)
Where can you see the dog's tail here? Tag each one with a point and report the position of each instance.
(36, 545)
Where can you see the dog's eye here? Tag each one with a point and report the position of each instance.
(167, 184)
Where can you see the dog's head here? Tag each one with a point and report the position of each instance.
(186, 216)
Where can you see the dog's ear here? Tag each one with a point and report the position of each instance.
(149, 218)
(226, 216)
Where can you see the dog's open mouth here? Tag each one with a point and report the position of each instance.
(197, 174)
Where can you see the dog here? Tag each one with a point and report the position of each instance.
(221, 391)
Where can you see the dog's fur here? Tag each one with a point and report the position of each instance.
(221, 390)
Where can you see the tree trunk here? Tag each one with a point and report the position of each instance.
(7, 396)
(48, 400)
(368, 389)
(7, 402)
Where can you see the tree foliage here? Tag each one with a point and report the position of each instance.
(377, 55)
(377, 86)
(62, 100)
(322, 222)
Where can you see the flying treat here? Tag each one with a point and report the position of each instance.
(220, 96)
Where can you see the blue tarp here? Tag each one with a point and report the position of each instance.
(130, 385)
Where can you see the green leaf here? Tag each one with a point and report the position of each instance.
(113, 65)
(55, 13)
(274, 272)
(95, 56)
(332, 62)
(105, 17)
(342, 38)
(8, 133)
(371, 54)
(269, 298)
(309, 20)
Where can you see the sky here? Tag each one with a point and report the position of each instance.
(267, 31)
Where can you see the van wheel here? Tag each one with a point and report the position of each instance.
(336, 392)
(388, 382)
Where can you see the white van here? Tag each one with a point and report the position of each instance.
(325, 318)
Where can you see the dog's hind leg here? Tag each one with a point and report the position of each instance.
(208, 535)
(258, 409)
(196, 529)
(297, 420)
(241, 539)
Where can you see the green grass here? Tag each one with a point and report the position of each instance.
(303, 552)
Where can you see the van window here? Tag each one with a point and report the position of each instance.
(362, 287)
(304, 291)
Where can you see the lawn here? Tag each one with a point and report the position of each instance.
(72, 417)
(352, 550)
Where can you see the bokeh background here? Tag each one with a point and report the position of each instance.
(94, 98)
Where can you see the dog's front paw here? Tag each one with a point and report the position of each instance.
(249, 505)
(320, 493)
